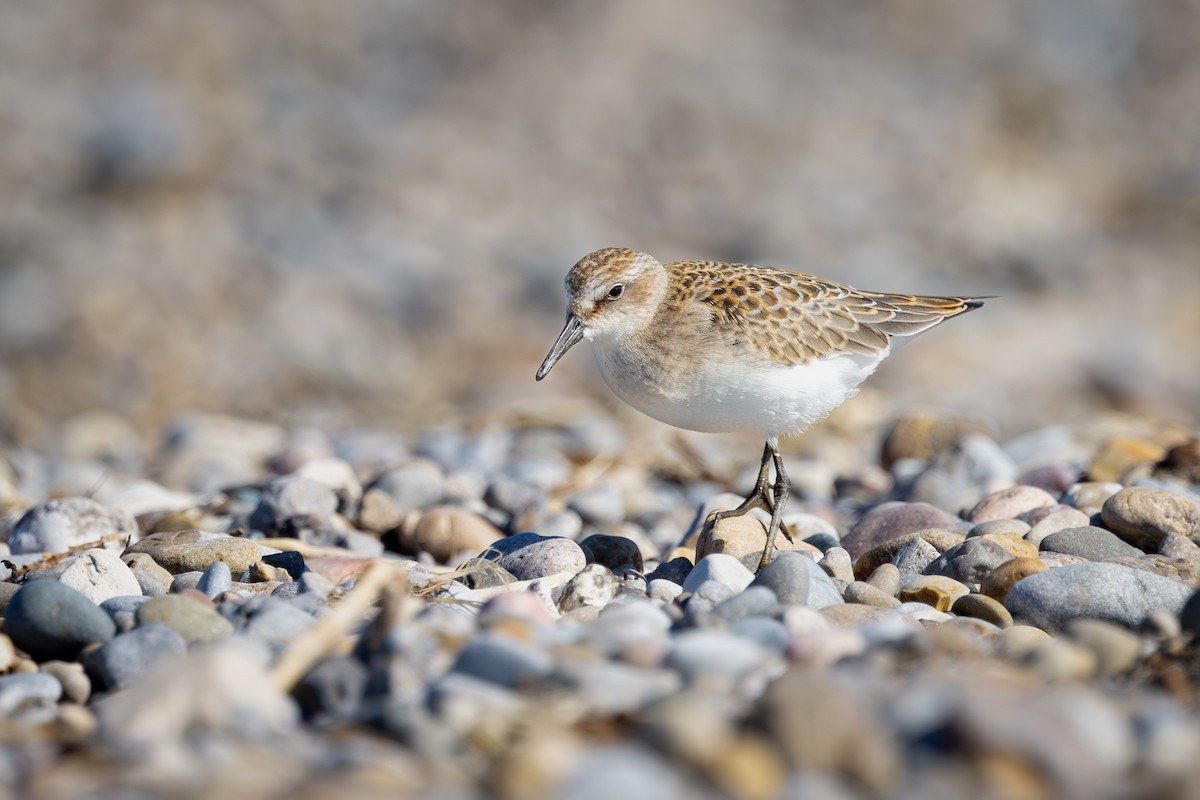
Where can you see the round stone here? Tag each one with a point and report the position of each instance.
(889, 552)
(528, 556)
(51, 621)
(416, 485)
(980, 606)
(971, 561)
(1090, 542)
(890, 521)
(1089, 496)
(56, 526)
(594, 585)
(1000, 580)
(1113, 592)
(1143, 516)
(936, 591)
(118, 662)
(1010, 503)
(445, 532)
(22, 690)
(724, 569)
(612, 551)
(100, 574)
(193, 621)
(867, 594)
(292, 502)
(886, 578)
(743, 537)
(196, 551)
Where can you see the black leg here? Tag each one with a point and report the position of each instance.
(758, 497)
(781, 489)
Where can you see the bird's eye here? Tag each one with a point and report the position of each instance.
(616, 291)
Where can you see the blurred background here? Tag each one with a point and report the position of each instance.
(363, 210)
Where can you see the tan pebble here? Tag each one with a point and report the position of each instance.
(1120, 454)
(955, 638)
(1060, 660)
(142, 562)
(196, 551)
(886, 578)
(446, 531)
(77, 687)
(980, 606)
(1005, 576)
(1009, 503)
(936, 591)
(1142, 516)
(1020, 640)
(1116, 649)
(1007, 527)
(865, 593)
(836, 564)
(1013, 545)
(851, 615)
(379, 512)
(8, 653)
(748, 768)
(75, 722)
(743, 537)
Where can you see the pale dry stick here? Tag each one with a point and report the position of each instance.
(329, 631)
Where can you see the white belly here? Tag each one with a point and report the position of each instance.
(713, 397)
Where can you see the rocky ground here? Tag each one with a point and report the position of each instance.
(539, 610)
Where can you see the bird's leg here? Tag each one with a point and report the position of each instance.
(758, 497)
(772, 501)
(781, 489)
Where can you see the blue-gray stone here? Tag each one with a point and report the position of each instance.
(754, 601)
(216, 580)
(25, 689)
(1098, 590)
(1090, 542)
(123, 609)
(118, 662)
(51, 621)
(503, 661)
(788, 576)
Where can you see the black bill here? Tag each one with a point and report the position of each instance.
(572, 332)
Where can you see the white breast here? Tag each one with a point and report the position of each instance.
(716, 397)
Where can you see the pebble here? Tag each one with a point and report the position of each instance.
(890, 521)
(76, 686)
(503, 661)
(713, 659)
(913, 558)
(1010, 503)
(754, 601)
(56, 526)
(196, 551)
(1112, 592)
(123, 610)
(594, 585)
(193, 621)
(479, 573)
(19, 691)
(119, 662)
(1058, 520)
(1116, 649)
(939, 540)
(723, 569)
(886, 578)
(445, 532)
(663, 589)
(980, 606)
(1018, 641)
(215, 580)
(602, 504)
(1143, 516)
(936, 591)
(379, 512)
(867, 594)
(971, 561)
(612, 551)
(50, 621)
(1001, 527)
(836, 564)
(676, 570)
(963, 474)
(333, 690)
(528, 556)
(98, 575)
(743, 537)
(1089, 496)
(152, 579)
(415, 486)
(291, 503)
(997, 584)
(1090, 542)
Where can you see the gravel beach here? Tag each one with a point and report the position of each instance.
(539, 610)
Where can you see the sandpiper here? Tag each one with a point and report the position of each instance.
(717, 347)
